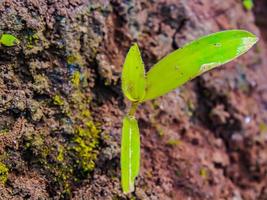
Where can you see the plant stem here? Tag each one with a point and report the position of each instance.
(133, 109)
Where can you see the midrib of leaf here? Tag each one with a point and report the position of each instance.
(130, 157)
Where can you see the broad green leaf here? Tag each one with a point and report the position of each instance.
(9, 40)
(130, 153)
(196, 58)
(133, 75)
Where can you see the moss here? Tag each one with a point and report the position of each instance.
(203, 173)
(32, 40)
(64, 152)
(50, 159)
(60, 155)
(75, 59)
(173, 142)
(76, 79)
(40, 83)
(3, 173)
(66, 163)
(263, 128)
(4, 131)
(68, 160)
(86, 113)
(58, 100)
(85, 144)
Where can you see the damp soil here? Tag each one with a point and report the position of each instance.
(61, 105)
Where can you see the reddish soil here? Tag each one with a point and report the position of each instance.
(60, 135)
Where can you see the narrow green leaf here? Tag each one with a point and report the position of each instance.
(9, 40)
(130, 153)
(133, 75)
(196, 58)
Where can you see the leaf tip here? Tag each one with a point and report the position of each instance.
(135, 44)
(247, 43)
(251, 38)
(135, 47)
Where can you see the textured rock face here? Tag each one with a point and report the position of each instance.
(61, 105)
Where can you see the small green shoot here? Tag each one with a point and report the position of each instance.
(9, 40)
(172, 71)
(248, 4)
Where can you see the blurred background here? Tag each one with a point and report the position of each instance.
(61, 104)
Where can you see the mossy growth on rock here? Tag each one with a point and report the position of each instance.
(3, 173)
(66, 150)
(84, 145)
(58, 100)
(68, 160)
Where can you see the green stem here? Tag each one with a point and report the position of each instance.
(133, 109)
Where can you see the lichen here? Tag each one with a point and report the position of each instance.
(3, 173)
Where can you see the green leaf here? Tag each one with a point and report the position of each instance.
(133, 75)
(130, 153)
(196, 58)
(9, 40)
(248, 4)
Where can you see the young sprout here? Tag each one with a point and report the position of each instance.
(172, 71)
(8, 40)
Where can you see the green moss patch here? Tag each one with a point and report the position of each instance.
(3, 173)
(68, 149)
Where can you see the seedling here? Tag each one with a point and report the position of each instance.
(8, 40)
(172, 71)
